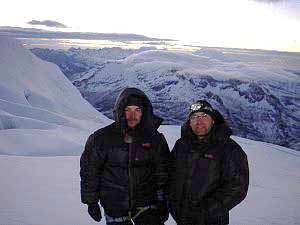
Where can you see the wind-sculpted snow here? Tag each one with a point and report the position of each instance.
(257, 91)
(41, 112)
(54, 182)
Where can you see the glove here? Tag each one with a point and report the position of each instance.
(94, 211)
(163, 210)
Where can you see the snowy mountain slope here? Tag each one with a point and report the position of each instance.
(42, 114)
(37, 100)
(46, 190)
(257, 91)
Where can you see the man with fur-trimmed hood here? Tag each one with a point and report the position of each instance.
(125, 165)
(210, 172)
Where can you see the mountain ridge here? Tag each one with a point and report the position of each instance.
(257, 92)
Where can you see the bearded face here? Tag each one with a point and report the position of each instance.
(133, 115)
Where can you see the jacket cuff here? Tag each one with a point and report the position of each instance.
(213, 206)
(90, 198)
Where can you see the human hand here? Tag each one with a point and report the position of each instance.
(94, 211)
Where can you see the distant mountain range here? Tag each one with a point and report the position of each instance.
(256, 91)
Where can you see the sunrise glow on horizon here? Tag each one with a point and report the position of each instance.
(234, 23)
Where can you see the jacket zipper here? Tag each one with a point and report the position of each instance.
(130, 175)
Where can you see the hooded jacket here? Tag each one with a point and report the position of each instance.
(122, 175)
(208, 178)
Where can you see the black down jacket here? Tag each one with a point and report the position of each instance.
(208, 179)
(124, 176)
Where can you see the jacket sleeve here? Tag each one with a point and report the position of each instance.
(162, 161)
(235, 182)
(91, 163)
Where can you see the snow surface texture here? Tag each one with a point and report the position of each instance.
(46, 190)
(256, 91)
(41, 112)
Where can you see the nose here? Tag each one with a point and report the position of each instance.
(132, 114)
(199, 121)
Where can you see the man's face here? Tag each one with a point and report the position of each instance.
(133, 115)
(201, 123)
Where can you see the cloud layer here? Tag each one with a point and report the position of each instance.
(48, 23)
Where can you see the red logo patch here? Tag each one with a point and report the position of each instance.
(146, 145)
(209, 156)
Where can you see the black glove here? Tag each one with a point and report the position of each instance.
(94, 211)
(163, 210)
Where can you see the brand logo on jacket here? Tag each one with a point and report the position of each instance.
(146, 145)
(209, 156)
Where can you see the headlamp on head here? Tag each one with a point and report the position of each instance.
(199, 107)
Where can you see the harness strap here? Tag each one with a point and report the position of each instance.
(130, 216)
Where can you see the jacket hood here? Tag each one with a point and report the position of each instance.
(149, 122)
(219, 133)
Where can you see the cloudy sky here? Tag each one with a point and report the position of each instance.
(260, 24)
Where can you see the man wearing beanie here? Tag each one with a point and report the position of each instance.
(210, 173)
(125, 165)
